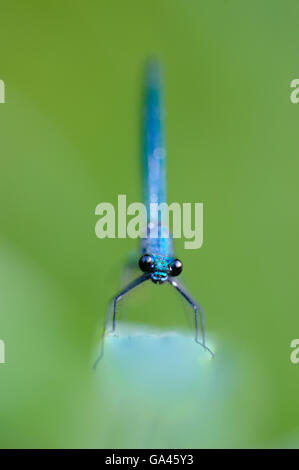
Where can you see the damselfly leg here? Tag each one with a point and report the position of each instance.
(197, 311)
(127, 289)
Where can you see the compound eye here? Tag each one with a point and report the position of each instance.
(145, 263)
(176, 267)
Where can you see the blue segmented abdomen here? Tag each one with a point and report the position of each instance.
(154, 160)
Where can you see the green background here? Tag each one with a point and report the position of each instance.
(70, 139)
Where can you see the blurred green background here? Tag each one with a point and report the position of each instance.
(70, 139)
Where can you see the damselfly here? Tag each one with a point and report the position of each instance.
(157, 262)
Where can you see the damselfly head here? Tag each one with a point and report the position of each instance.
(146, 263)
(176, 267)
(160, 267)
(158, 277)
